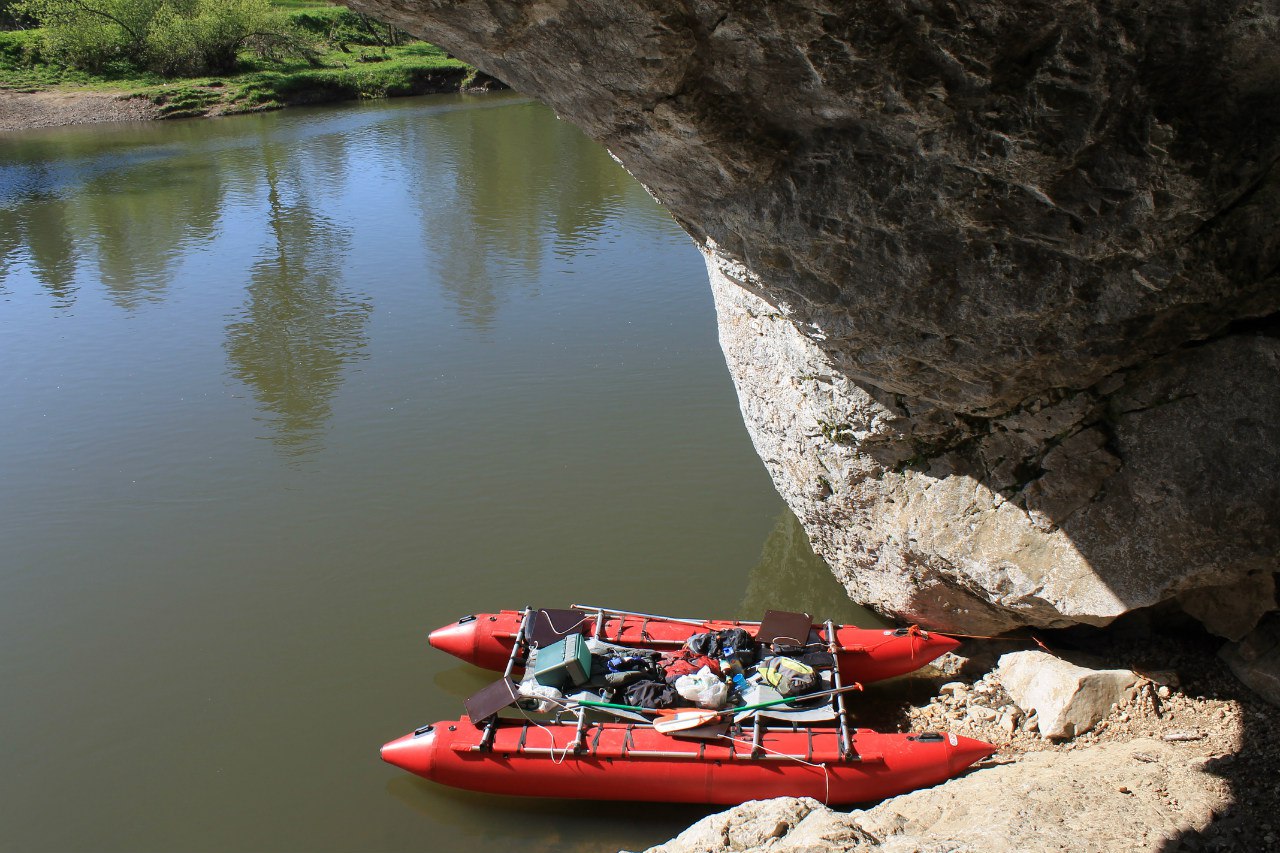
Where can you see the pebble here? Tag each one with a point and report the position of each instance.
(981, 714)
(952, 688)
(1174, 737)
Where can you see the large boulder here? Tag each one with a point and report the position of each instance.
(1069, 700)
(997, 282)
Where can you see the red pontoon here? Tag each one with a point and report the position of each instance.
(865, 654)
(618, 761)
(730, 756)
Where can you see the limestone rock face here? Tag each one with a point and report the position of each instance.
(1069, 699)
(997, 282)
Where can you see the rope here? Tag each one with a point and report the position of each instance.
(1033, 638)
(826, 774)
(550, 734)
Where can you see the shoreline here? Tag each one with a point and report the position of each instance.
(65, 107)
(1185, 764)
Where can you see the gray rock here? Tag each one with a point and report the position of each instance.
(1044, 802)
(1255, 660)
(1233, 610)
(997, 283)
(1067, 699)
(1049, 802)
(783, 825)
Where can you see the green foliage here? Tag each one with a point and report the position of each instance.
(181, 101)
(93, 34)
(20, 49)
(230, 56)
(12, 18)
(169, 37)
(341, 28)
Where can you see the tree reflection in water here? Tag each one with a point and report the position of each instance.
(790, 576)
(493, 185)
(298, 328)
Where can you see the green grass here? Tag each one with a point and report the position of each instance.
(354, 66)
(383, 73)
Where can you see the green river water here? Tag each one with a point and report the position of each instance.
(282, 393)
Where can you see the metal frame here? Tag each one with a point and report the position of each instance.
(519, 649)
(842, 710)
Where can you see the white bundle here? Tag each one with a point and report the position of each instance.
(548, 699)
(704, 688)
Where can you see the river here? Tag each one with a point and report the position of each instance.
(281, 393)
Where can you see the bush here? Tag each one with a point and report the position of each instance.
(170, 37)
(20, 49)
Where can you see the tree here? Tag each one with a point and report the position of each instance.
(92, 34)
(171, 37)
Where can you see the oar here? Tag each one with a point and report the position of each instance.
(701, 717)
(626, 712)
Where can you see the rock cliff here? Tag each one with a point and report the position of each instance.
(997, 282)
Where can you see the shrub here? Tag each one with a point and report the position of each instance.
(170, 37)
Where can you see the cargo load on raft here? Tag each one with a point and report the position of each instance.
(604, 704)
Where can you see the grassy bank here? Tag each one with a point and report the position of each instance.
(352, 61)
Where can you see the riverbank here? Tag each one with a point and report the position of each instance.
(62, 106)
(339, 56)
(1187, 763)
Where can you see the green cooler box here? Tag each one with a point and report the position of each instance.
(565, 662)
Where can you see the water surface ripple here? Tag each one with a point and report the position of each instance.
(280, 394)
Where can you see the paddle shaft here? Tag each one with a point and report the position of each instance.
(757, 706)
(591, 704)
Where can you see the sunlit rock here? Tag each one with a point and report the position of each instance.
(997, 283)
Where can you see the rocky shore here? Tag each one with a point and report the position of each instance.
(29, 110)
(1185, 760)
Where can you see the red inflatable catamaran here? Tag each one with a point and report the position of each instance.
(865, 654)
(634, 762)
(738, 757)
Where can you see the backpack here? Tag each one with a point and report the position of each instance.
(788, 676)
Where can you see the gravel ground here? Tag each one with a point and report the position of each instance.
(23, 111)
(1187, 697)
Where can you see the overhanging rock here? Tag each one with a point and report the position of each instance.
(997, 283)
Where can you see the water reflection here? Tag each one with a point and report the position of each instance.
(268, 618)
(143, 221)
(80, 198)
(510, 180)
(790, 576)
(298, 328)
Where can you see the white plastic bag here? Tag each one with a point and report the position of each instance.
(704, 688)
(539, 697)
